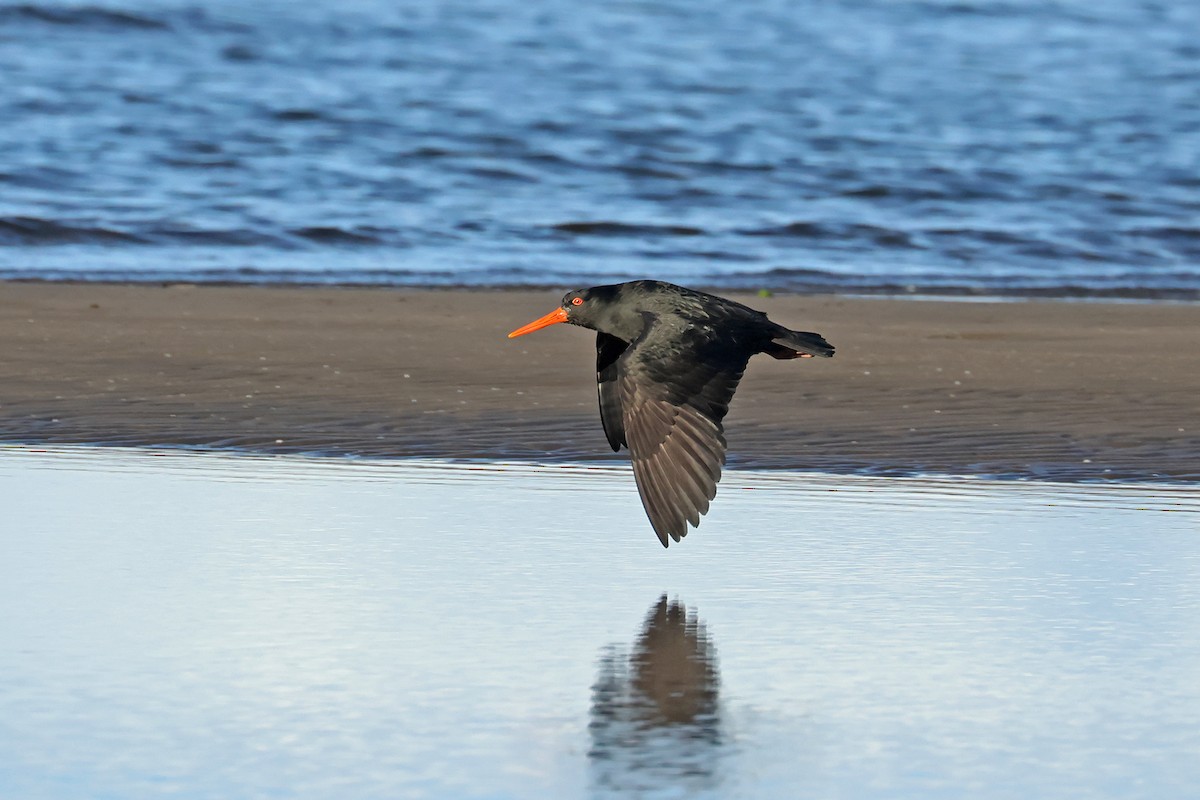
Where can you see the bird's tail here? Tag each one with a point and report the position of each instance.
(798, 344)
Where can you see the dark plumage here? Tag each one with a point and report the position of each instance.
(668, 360)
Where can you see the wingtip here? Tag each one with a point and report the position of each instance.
(666, 535)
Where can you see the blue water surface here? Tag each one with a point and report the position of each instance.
(1004, 147)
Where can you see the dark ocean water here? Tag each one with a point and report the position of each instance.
(1011, 147)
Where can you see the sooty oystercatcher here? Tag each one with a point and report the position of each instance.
(668, 360)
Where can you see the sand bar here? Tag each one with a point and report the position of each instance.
(1041, 389)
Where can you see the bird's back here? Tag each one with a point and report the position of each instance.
(737, 327)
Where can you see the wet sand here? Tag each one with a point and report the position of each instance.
(1041, 389)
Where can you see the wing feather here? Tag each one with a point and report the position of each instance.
(673, 398)
(694, 459)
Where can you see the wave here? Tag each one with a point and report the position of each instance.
(107, 19)
(608, 228)
(1127, 286)
(80, 16)
(32, 230)
(329, 234)
(879, 235)
(35, 231)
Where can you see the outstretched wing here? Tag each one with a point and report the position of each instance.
(674, 391)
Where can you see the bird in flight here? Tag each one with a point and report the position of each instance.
(668, 360)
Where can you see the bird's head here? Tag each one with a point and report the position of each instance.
(594, 308)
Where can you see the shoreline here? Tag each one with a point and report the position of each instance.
(1012, 388)
(950, 294)
(485, 463)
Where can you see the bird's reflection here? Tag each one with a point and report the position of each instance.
(655, 716)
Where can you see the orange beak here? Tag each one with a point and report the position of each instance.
(557, 315)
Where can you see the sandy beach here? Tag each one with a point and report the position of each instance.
(1040, 389)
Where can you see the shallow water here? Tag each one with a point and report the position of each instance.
(1013, 146)
(206, 625)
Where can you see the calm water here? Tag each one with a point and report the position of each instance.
(1012, 146)
(217, 626)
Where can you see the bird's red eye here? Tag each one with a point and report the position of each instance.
(578, 301)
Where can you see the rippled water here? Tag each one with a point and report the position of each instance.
(204, 625)
(1011, 146)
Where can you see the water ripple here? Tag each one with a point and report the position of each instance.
(1004, 148)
